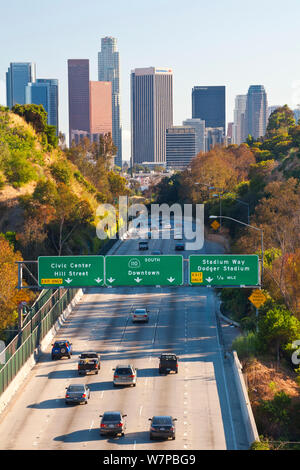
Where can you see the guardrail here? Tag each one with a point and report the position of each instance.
(23, 345)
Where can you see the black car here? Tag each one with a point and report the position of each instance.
(162, 427)
(89, 362)
(112, 422)
(77, 394)
(168, 363)
(143, 245)
(179, 246)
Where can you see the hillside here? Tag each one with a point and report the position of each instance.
(44, 198)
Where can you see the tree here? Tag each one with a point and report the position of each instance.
(70, 213)
(276, 327)
(8, 283)
(34, 114)
(280, 120)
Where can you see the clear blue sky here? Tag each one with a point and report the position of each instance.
(222, 42)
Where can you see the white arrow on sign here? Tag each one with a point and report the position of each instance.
(209, 279)
(111, 280)
(98, 280)
(138, 279)
(69, 280)
(171, 279)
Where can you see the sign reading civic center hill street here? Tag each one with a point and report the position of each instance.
(224, 270)
(71, 271)
(161, 270)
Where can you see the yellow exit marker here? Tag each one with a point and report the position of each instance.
(51, 281)
(197, 277)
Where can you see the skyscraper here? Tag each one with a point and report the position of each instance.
(151, 113)
(18, 76)
(100, 109)
(256, 112)
(199, 126)
(213, 136)
(45, 91)
(238, 131)
(208, 103)
(180, 146)
(90, 103)
(109, 71)
(79, 97)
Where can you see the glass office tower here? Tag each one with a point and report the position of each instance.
(109, 71)
(256, 112)
(45, 91)
(18, 76)
(208, 103)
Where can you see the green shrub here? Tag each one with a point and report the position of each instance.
(2, 180)
(19, 170)
(277, 410)
(260, 445)
(246, 346)
(61, 171)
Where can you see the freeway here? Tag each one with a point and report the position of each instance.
(201, 396)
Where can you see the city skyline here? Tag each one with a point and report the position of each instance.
(145, 38)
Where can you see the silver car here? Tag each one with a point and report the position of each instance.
(77, 394)
(125, 375)
(140, 315)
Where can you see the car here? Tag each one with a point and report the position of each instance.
(156, 252)
(125, 374)
(179, 246)
(168, 362)
(77, 393)
(162, 427)
(112, 422)
(89, 362)
(140, 315)
(167, 226)
(61, 348)
(143, 245)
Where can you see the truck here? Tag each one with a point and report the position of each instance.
(89, 362)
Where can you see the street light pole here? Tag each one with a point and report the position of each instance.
(251, 226)
(246, 204)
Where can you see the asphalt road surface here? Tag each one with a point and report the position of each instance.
(201, 396)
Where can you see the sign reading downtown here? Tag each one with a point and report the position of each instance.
(71, 271)
(224, 270)
(162, 270)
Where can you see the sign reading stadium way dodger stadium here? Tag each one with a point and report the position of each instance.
(71, 271)
(224, 270)
(161, 270)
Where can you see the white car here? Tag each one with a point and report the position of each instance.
(167, 226)
(140, 315)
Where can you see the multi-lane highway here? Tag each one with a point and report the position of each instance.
(201, 396)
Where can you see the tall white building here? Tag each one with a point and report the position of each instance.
(199, 126)
(109, 71)
(151, 113)
(238, 128)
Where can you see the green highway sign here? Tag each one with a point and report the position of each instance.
(224, 270)
(161, 270)
(70, 271)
